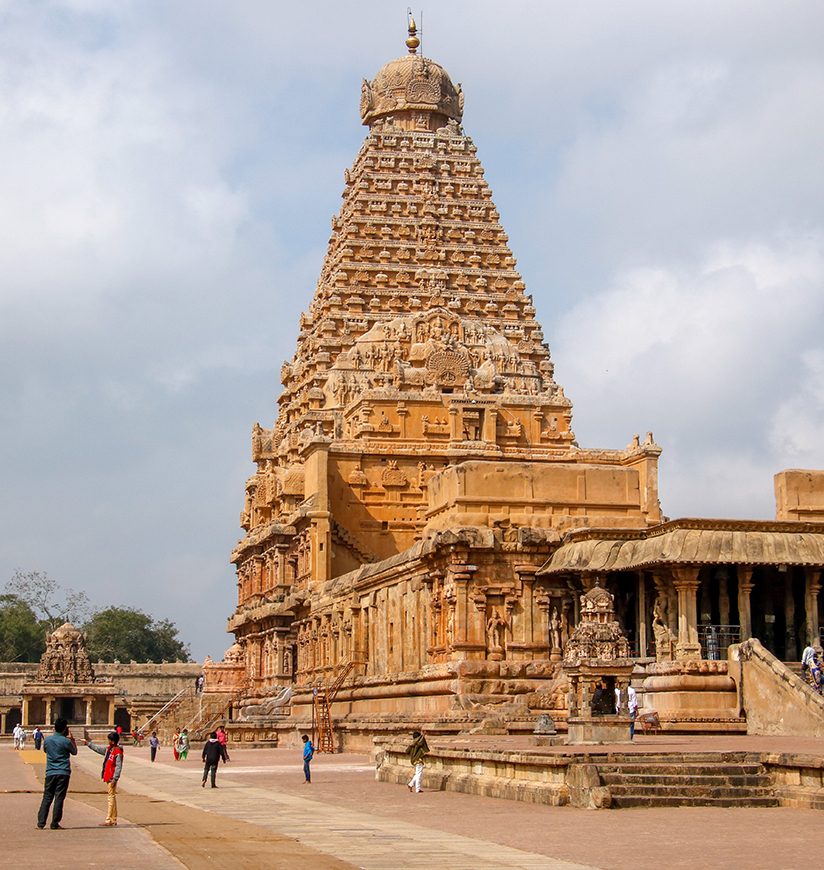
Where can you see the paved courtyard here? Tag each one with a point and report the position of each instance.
(262, 816)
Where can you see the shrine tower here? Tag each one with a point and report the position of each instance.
(420, 399)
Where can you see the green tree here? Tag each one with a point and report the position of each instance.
(22, 635)
(126, 634)
(51, 603)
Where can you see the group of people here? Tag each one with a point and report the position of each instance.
(20, 735)
(59, 747)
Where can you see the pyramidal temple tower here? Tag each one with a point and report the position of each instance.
(422, 464)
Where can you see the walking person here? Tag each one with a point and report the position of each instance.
(176, 743)
(112, 768)
(183, 745)
(58, 748)
(213, 752)
(38, 738)
(16, 735)
(23, 735)
(308, 755)
(153, 744)
(417, 750)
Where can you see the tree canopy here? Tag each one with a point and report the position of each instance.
(127, 634)
(22, 636)
(35, 604)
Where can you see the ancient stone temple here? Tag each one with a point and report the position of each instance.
(65, 685)
(410, 500)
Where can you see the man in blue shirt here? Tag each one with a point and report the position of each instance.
(58, 747)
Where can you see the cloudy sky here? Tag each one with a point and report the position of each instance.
(168, 171)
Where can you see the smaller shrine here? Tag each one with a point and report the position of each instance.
(65, 685)
(598, 668)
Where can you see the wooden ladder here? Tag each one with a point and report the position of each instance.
(323, 697)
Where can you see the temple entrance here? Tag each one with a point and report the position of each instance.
(72, 710)
(123, 719)
(13, 717)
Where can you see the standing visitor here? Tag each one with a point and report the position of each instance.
(199, 681)
(38, 738)
(417, 750)
(223, 737)
(58, 747)
(176, 743)
(213, 752)
(112, 768)
(16, 735)
(632, 707)
(153, 744)
(183, 747)
(308, 755)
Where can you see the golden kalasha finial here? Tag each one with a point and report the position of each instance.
(412, 41)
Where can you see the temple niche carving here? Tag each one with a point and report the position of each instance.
(420, 507)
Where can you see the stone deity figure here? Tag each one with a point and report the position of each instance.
(496, 627)
(664, 638)
(555, 629)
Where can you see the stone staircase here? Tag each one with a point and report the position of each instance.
(729, 779)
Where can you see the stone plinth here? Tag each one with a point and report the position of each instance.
(598, 729)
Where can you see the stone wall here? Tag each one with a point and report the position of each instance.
(775, 700)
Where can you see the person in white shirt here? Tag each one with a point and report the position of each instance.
(632, 707)
(16, 736)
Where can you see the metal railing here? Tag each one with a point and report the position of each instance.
(169, 705)
(715, 639)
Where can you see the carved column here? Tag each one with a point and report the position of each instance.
(89, 707)
(3, 721)
(469, 625)
(641, 619)
(110, 714)
(745, 586)
(49, 701)
(24, 716)
(812, 578)
(685, 581)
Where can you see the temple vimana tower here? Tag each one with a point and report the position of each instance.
(422, 522)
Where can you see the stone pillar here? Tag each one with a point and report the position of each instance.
(745, 586)
(24, 716)
(791, 650)
(685, 581)
(49, 701)
(3, 721)
(642, 614)
(812, 577)
(723, 576)
(110, 714)
(89, 707)
(490, 434)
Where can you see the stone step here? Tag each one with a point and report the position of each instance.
(620, 802)
(679, 779)
(689, 770)
(690, 791)
(713, 758)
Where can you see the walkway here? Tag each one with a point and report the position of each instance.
(365, 840)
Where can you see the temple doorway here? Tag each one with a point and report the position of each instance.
(123, 719)
(13, 717)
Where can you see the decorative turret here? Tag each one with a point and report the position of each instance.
(65, 659)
